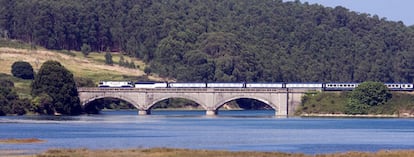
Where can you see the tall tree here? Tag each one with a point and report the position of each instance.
(7, 96)
(57, 82)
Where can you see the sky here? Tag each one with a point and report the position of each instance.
(392, 10)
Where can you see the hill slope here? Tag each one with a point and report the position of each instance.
(80, 66)
(232, 40)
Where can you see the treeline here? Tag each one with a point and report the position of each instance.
(232, 40)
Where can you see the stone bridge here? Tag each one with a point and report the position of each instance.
(282, 100)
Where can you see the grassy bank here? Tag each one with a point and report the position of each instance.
(334, 103)
(163, 152)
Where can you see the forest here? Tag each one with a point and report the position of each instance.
(223, 41)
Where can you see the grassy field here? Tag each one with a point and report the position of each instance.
(92, 67)
(166, 152)
(78, 65)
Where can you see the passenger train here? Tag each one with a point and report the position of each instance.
(315, 86)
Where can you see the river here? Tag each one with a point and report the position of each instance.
(230, 130)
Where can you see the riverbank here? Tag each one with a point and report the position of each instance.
(161, 152)
(358, 115)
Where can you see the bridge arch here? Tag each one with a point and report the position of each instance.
(228, 99)
(84, 103)
(175, 96)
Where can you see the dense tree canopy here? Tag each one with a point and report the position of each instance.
(56, 84)
(232, 40)
(6, 96)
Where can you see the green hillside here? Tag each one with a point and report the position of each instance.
(232, 40)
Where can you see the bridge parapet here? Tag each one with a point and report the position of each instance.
(267, 90)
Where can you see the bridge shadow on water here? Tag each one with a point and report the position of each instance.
(197, 113)
(179, 107)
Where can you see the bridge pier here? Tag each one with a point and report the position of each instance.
(144, 112)
(278, 115)
(211, 112)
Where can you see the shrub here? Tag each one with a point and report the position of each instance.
(86, 49)
(22, 70)
(366, 95)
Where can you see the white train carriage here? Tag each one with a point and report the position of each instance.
(225, 85)
(264, 85)
(116, 84)
(304, 85)
(151, 85)
(187, 85)
(399, 86)
(340, 86)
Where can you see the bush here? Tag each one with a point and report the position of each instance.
(147, 70)
(22, 70)
(19, 106)
(108, 59)
(43, 104)
(86, 49)
(84, 82)
(366, 95)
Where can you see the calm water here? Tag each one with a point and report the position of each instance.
(231, 130)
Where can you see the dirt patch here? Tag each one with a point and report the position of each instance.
(21, 141)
